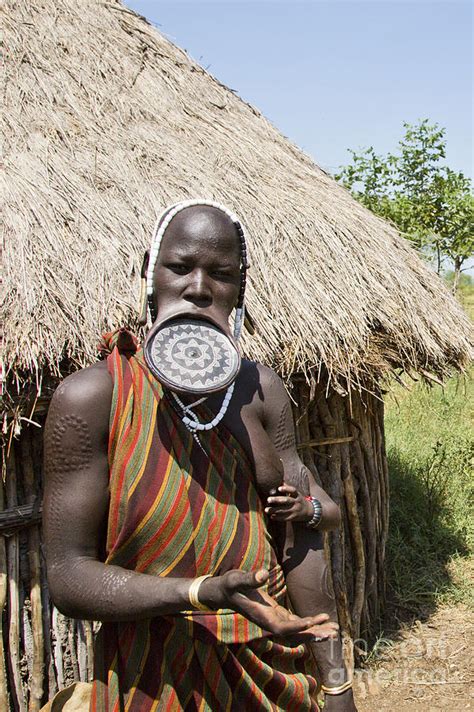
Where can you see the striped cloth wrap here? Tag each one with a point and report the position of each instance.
(180, 510)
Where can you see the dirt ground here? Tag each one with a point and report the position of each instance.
(429, 668)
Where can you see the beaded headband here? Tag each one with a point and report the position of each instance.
(160, 228)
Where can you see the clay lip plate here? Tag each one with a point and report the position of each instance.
(191, 355)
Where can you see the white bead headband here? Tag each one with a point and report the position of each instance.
(160, 228)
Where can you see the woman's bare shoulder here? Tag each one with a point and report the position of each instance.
(260, 385)
(87, 394)
(259, 373)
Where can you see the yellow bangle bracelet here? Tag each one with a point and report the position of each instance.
(337, 690)
(193, 593)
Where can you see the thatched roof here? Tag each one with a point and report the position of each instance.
(106, 122)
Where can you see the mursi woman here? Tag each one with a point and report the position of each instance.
(163, 517)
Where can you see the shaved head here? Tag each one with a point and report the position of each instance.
(205, 224)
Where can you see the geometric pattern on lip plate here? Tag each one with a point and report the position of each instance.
(193, 355)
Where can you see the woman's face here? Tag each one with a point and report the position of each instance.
(198, 267)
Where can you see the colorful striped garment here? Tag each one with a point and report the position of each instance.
(177, 511)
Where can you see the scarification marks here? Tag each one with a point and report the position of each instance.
(68, 447)
(299, 479)
(285, 433)
(69, 443)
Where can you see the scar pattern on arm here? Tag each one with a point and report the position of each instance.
(285, 432)
(299, 479)
(69, 448)
(326, 584)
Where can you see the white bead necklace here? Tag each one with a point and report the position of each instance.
(193, 424)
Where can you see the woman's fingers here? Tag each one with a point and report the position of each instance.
(324, 632)
(320, 618)
(276, 503)
(243, 595)
(316, 633)
(303, 630)
(325, 629)
(282, 501)
(285, 514)
(243, 581)
(292, 626)
(288, 489)
(281, 514)
(278, 620)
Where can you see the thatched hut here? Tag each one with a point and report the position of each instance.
(106, 122)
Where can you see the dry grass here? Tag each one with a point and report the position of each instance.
(105, 123)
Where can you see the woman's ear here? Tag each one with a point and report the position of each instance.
(249, 323)
(143, 314)
(145, 263)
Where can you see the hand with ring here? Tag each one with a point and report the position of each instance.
(287, 504)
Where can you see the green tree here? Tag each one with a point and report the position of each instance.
(454, 234)
(427, 201)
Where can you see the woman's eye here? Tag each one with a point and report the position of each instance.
(178, 268)
(225, 274)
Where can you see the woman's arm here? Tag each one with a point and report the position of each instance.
(302, 548)
(75, 511)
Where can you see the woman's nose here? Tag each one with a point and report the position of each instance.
(198, 289)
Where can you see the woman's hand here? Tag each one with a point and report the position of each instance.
(288, 505)
(238, 590)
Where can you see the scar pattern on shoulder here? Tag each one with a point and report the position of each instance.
(285, 431)
(72, 455)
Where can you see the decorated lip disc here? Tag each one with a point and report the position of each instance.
(192, 356)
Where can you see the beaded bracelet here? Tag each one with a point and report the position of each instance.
(317, 513)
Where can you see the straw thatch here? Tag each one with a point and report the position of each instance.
(106, 122)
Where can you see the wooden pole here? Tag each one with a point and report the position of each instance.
(23, 515)
(18, 697)
(57, 648)
(3, 600)
(82, 650)
(37, 671)
(72, 640)
(49, 678)
(90, 650)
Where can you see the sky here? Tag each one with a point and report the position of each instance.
(340, 74)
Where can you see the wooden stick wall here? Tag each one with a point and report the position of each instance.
(42, 652)
(342, 440)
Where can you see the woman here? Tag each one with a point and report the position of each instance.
(156, 525)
